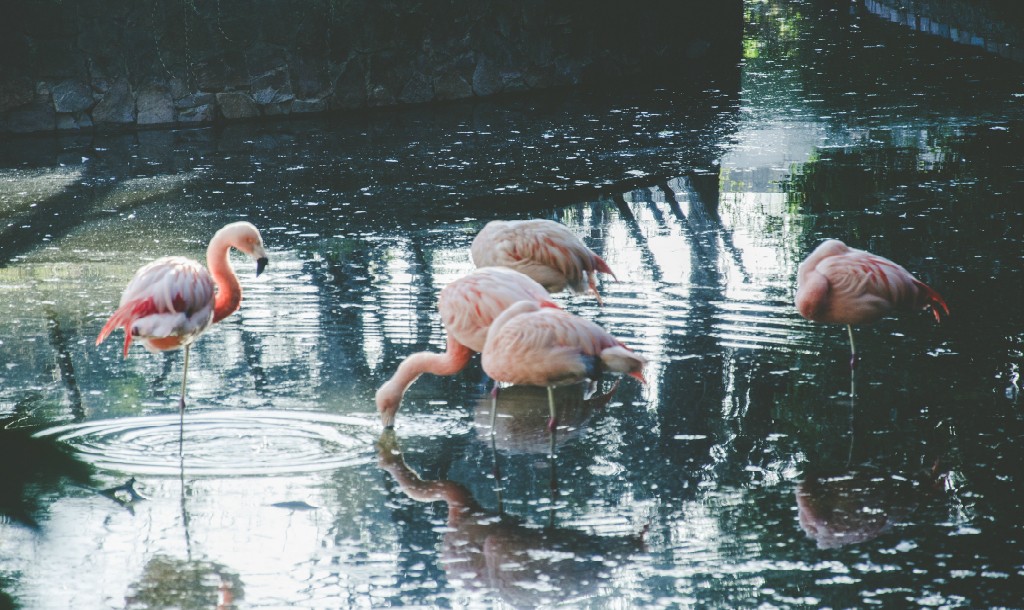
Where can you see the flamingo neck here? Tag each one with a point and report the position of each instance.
(229, 291)
(453, 360)
(447, 363)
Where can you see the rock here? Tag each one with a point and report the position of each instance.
(452, 86)
(418, 89)
(278, 109)
(71, 96)
(75, 121)
(202, 113)
(37, 116)
(195, 100)
(236, 105)
(15, 92)
(155, 106)
(350, 88)
(307, 106)
(272, 87)
(307, 78)
(486, 78)
(117, 106)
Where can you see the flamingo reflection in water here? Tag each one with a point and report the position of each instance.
(837, 284)
(173, 300)
(547, 251)
(857, 506)
(527, 566)
(510, 419)
(467, 306)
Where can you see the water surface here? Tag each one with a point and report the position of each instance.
(743, 474)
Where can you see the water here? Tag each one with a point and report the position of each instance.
(741, 475)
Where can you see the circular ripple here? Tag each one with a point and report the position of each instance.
(222, 443)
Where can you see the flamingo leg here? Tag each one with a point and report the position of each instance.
(551, 405)
(181, 413)
(853, 406)
(494, 407)
(497, 471)
(184, 377)
(554, 475)
(853, 348)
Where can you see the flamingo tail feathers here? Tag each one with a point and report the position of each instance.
(603, 267)
(928, 297)
(123, 318)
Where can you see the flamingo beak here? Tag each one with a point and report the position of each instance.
(261, 264)
(639, 375)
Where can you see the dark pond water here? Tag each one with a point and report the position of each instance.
(744, 474)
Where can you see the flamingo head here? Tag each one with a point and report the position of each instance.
(246, 237)
(387, 405)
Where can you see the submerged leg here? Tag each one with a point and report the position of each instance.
(853, 348)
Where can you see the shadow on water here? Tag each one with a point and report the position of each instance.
(33, 469)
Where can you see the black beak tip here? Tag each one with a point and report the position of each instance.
(261, 264)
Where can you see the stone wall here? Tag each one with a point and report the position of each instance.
(993, 26)
(79, 64)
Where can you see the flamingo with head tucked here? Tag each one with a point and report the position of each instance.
(171, 301)
(532, 345)
(543, 249)
(467, 307)
(837, 284)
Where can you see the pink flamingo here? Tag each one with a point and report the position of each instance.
(531, 345)
(171, 301)
(467, 307)
(837, 284)
(545, 250)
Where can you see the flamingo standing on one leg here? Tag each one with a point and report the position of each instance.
(841, 285)
(545, 250)
(531, 345)
(173, 300)
(467, 306)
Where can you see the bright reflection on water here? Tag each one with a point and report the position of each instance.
(740, 476)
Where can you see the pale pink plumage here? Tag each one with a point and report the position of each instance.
(842, 285)
(171, 301)
(531, 345)
(545, 250)
(167, 304)
(467, 307)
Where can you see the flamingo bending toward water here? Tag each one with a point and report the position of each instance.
(531, 345)
(837, 284)
(467, 307)
(543, 249)
(171, 301)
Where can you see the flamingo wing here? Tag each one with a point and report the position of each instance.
(469, 305)
(546, 347)
(167, 304)
(543, 249)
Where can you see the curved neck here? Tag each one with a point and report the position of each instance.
(389, 395)
(229, 291)
(450, 362)
(460, 501)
